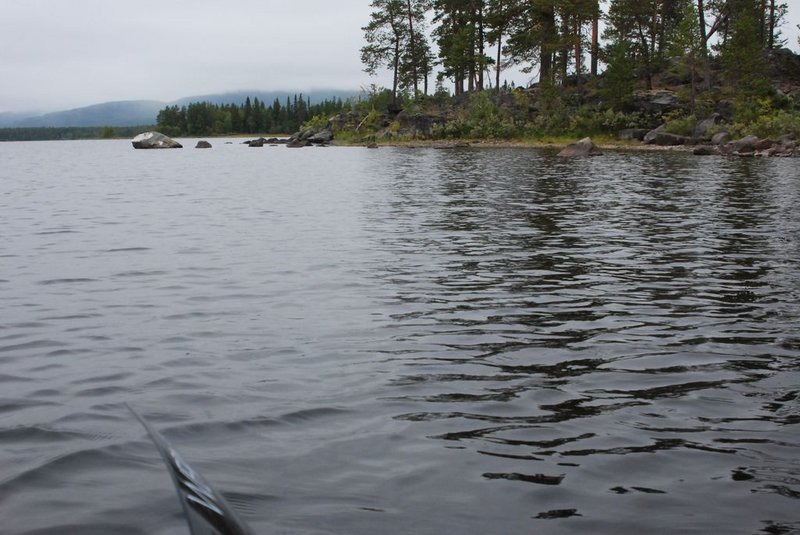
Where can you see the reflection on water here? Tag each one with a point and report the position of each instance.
(401, 341)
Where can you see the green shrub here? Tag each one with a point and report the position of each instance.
(683, 126)
(316, 123)
(776, 124)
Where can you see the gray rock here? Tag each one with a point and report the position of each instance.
(702, 128)
(323, 136)
(203, 144)
(298, 143)
(720, 138)
(154, 140)
(256, 142)
(418, 124)
(651, 135)
(787, 146)
(660, 136)
(726, 108)
(744, 145)
(656, 100)
(584, 147)
(631, 134)
(763, 144)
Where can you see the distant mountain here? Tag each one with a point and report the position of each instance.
(144, 112)
(122, 113)
(9, 118)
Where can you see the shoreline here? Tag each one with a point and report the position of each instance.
(520, 144)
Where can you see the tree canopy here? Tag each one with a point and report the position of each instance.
(556, 38)
(251, 117)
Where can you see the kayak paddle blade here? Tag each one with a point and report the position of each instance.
(206, 510)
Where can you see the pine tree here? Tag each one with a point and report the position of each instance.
(460, 35)
(648, 27)
(688, 45)
(742, 58)
(385, 35)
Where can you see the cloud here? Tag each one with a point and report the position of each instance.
(62, 54)
(56, 54)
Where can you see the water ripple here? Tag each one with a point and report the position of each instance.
(464, 341)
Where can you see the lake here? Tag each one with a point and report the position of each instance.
(400, 341)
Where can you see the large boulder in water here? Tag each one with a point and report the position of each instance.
(584, 147)
(154, 140)
(323, 136)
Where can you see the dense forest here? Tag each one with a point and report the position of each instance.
(559, 38)
(204, 118)
(600, 66)
(38, 133)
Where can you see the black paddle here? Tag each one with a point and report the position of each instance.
(206, 510)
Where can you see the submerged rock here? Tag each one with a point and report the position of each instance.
(154, 140)
(584, 147)
(705, 150)
(203, 144)
(298, 144)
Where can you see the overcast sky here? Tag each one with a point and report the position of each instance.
(58, 54)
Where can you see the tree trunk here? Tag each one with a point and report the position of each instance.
(396, 70)
(499, 57)
(545, 54)
(481, 53)
(396, 62)
(648, 55)
(771, 42)
(701, 15)
(564, 53)
(426, 72)
(578, 50)
(693, 83)
(412, 44)
(654, 28)
(595, 43)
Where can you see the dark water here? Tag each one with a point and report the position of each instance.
(400, 341)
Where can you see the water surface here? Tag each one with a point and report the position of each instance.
(353, 341)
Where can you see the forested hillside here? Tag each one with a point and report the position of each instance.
(560, 38)
(599, 66)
